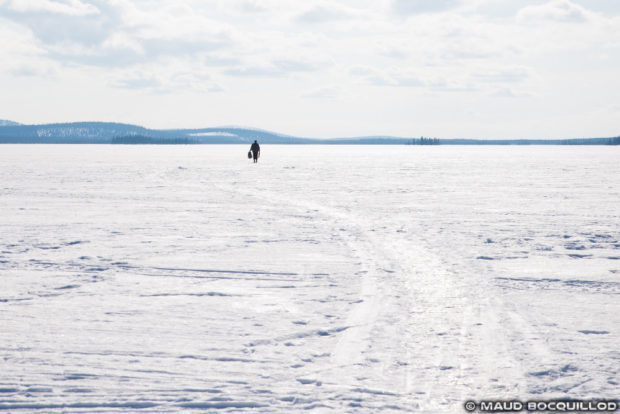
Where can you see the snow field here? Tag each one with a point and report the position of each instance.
(329, 279)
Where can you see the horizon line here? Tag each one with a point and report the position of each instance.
(284, 135)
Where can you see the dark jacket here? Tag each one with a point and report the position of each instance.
(255, 148)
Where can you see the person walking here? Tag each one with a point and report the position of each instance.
(255, 149)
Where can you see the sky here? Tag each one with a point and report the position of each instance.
(318, 68)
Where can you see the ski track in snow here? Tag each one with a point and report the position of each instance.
(323, 279)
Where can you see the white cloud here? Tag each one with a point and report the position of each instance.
(119, 33)
(406, 7)
(389, 77)
(326, 92)
(372, 76)
(277, 67)
(138, 82)
(67, 7)
(171, 80)
(122, 41)
(254, 71)
(556, 10)
(510, 93)
(322, 13)
(54, 23)
(154, 52)
(474, 78)
(253, 6)
(21, 54)
(503, 75)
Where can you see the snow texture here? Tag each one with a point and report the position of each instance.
(322, 279)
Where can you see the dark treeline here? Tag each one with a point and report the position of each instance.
(573, 141)
(424, 141)
(614, 141)
(141, 139)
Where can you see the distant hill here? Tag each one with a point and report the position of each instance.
(140, 139)
(571, 141)
(69, 133)
(105, 133)
(4, 122)
(116, 133)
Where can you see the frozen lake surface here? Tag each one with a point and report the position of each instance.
(329, 279)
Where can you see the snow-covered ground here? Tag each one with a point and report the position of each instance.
(324, 278)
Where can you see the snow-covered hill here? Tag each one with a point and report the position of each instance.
(105, 132)
(4, 122)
